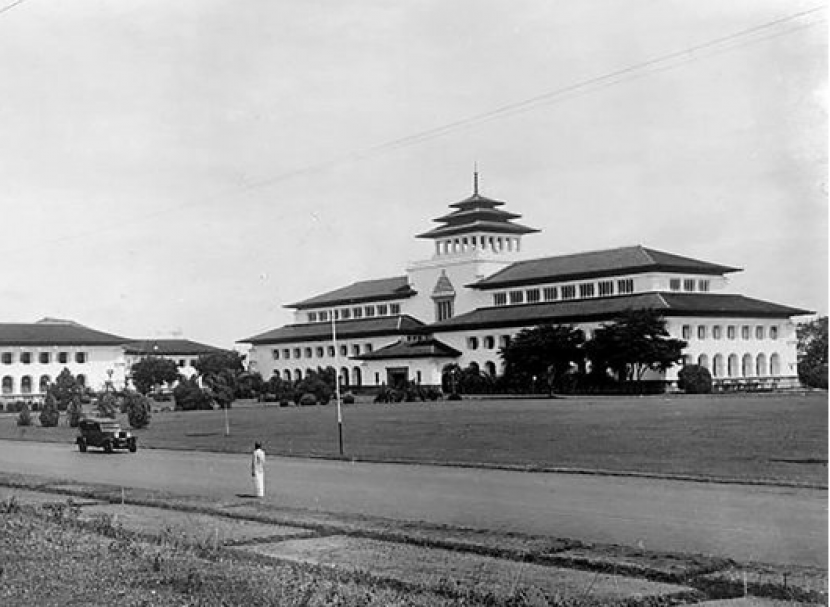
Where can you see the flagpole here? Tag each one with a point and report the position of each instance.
(337, 383)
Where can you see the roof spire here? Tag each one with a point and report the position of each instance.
(475, 179)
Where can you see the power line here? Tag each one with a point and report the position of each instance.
(549, 97)
(660, 63)
(11, 6)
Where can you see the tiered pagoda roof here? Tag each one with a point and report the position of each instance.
(477, 214)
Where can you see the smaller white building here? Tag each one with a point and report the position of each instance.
(183, 352)
(33, 354)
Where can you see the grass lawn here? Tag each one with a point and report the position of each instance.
(748, 437)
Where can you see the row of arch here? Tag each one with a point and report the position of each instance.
(26, 384)
(740, 366)
(347, 378)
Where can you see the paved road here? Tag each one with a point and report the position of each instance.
(767, 524)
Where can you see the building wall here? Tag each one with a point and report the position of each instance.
(461, 269)
(101, 364)
(758, 348)
(262, 358)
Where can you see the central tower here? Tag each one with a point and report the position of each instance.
(475, 240)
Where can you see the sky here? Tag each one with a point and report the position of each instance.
(188, 168)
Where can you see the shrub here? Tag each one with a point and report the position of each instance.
(454, 396)
(189, 396)
(106, 405)
(285, 403)
(24, 418)
(694, 379)
(50, 416)
(74, 412)
(316, 385)
(307, 399)
(348, 398)
(138, 409)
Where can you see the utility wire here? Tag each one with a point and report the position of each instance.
(657, 64)
(11, 6)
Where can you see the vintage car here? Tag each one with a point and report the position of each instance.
(105, 434)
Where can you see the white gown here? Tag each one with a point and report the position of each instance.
(258, 471)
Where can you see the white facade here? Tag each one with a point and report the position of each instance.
(26, 370)
(473, 272)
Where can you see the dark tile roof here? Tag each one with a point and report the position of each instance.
(478, 225)
(346, 329)
(169, 347)
(609, 262)
(423, 348)
(51, 332)
(602, 309)
(364, 291)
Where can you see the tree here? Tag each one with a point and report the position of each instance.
(546, 352)
(451, 378)
(65, 389)
(189, 396)
(74, 412)
(637, 341)
(49, 415)
(220, 373)
(106, 405)
(319, 383)
(138, 408)
(152, 371)
(249, 385)
(812, 352)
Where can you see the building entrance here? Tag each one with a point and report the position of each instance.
(397, 377)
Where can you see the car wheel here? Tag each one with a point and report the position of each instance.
(108, 447)
(82, 445)
(133, 446)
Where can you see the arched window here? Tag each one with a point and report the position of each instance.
(44, 382)
(747, 365)
(761, 365)
(717, 365)
(308, 372)
(81, 379)
(775, 365)
(298, 375)
(703, 361)
(26, 384)
(490, 368)
(357, 381)
(286, 375)
(8, 385)
(344, 377)
(732, 366)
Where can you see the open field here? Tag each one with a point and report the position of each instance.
(745, 437)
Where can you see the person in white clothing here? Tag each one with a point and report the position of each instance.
(258, 470)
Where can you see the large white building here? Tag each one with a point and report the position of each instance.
(477, 290)
(33, 354)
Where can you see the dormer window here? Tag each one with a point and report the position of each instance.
(499, 299)
(674, 284)
(312, 317)
(689, 284)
